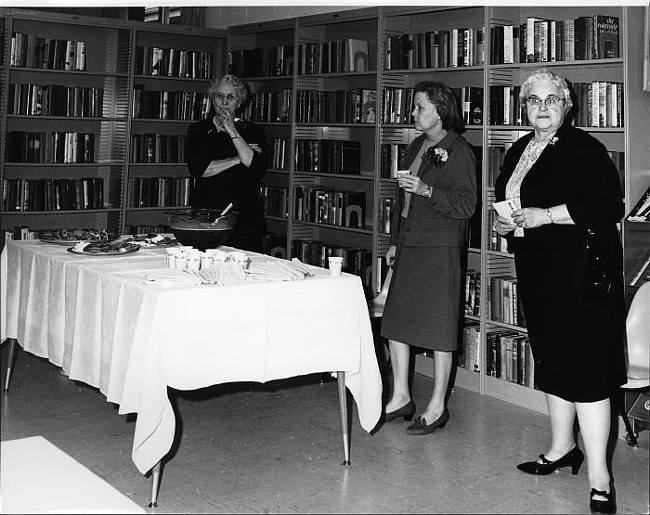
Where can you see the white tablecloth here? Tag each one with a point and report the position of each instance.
(98, 319)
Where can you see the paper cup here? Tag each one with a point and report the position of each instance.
(335, 265)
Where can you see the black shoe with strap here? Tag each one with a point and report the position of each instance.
(573, 459)
(599, 506)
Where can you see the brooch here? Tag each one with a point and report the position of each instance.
(437, 155)
(553, 140)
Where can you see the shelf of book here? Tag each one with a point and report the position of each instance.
(74, 120)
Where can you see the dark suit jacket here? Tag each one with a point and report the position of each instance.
(443, 219)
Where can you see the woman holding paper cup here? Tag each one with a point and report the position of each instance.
(228, 157)
(423, 305)
(560, 181)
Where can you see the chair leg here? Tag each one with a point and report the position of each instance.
(630, 437)
(11, 362)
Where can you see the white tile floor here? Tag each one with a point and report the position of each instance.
(250, 448)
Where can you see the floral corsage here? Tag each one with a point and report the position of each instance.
(437, 155)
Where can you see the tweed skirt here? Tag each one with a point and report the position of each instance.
(423, 304)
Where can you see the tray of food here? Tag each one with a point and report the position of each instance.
(68, 237)
(96, 248)
(153, 240)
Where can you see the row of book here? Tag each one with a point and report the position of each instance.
(158, 148)
(31, 51)
(472, 292)
(328, 156)
(53, 194)
(169, 105)
(336, 56)
(55, 100)
(596, 104)
(148, 229)
(59, 147)
(159, 191)
(397, 104)
(173, 62)
(330, 207)
(275, 200)
(357, 261)
(249, 62)
(341, 106)
(278, 158)
(505, 302)
(509, 357)
(545, 40)
(435, 49)
(269, 106)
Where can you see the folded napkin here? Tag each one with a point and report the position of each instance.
(277, 270)
(170, 276)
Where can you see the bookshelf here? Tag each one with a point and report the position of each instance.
(405, 45)
(73, 142)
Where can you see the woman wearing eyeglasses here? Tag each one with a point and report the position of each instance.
(564, 183)
(228, 157)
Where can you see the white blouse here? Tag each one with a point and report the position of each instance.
(531, 153)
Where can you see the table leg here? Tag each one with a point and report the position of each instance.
(13, 346)
(343, 410)
(155, 484)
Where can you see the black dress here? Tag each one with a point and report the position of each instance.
(239, 184)
(577, 343)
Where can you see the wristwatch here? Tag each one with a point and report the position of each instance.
(549, 214)
(429, 192)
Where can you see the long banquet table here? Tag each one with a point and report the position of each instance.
(104, 323)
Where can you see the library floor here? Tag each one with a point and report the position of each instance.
(276, 448)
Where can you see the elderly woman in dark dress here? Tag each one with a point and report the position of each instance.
(423, 304)
(228, 157)
(565, 183)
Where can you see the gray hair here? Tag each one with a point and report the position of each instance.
(239, 85)
(545, 75)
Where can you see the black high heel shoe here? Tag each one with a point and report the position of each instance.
(407, 411)
(598, 506)
(573, 459)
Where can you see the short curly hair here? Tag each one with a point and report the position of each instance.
(546, 75)
(240, 86)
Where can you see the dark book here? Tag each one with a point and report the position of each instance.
(607, 37)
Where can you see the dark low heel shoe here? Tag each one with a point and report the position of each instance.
(573, 459)
(407, 411)
(420, 426)
(598, 506)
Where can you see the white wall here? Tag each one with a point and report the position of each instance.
(222, 17)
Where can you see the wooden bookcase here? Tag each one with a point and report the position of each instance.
(106, 169)
(381, 26)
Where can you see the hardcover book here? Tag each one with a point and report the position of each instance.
(607, 37)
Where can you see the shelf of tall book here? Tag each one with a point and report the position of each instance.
(172, 70)
(96, 114)
(66, 121)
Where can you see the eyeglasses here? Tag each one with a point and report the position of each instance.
(230, 97)
(549, 101)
